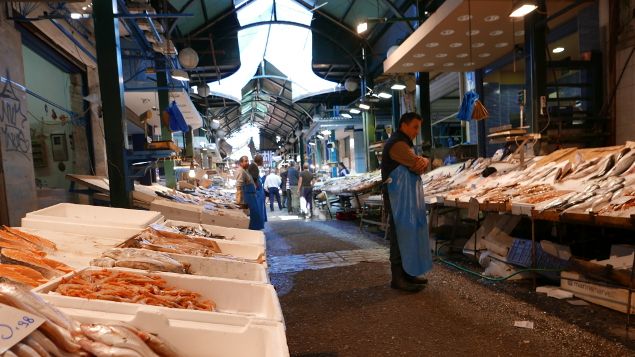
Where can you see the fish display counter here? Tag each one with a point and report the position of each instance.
(358, 183)
(598, 182)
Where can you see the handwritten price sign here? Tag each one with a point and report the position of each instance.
(15, 325)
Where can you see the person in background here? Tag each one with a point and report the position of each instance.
(305, 188)
(272, 184)
(283, 188)
(292, 188)
(343, 171)
(242, 178)
(403, 201)
(254, 171)
(246, 195)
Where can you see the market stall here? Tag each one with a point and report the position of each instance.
(594, 187)
(179, 281)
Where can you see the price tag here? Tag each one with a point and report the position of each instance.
(15, 325)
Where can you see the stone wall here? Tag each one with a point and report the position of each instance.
(17, 179)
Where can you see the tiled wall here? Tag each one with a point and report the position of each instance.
(625, 99)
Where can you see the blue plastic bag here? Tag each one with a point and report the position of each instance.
(408, 207)
(467, 105)
(177, 121)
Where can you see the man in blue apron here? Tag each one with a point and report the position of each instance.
(246, 195)
(410, 254)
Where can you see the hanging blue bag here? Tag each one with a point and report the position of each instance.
(177, 121)
(467, 105)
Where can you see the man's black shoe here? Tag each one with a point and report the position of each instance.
(406, 286)
(416, 279)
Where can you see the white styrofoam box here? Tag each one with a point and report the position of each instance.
(177, 210)
(246, 338)
(81, 228)
(103, 216)
(232, 298)
(522, 209)
(225, 218)
(235, 234)
(222, 268)
(76, 250)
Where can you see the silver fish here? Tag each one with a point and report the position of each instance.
(36, 347)
(559, 201)
(622, 152)
(47, 344)
(102, 350)
(117, 337)
(23, 350)
(57, 326)
(606, 168)
(622, 165)
(593, 167)
(600, 202)
(577, 200)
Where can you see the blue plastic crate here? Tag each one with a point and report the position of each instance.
(520, 254)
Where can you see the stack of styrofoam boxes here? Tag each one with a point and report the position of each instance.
(91, 220)
(248, 320)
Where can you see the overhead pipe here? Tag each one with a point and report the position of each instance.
(74, 40)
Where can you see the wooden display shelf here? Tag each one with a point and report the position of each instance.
(163, 145)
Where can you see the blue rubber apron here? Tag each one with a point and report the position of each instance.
(405, 192)
(256, 221)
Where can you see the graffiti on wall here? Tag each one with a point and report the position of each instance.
(13, 122)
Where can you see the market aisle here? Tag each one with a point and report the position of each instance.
(333, 286)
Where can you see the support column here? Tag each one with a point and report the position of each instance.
(333, 153)
(97, 125)
(480, 125)
(368, 119)
(301, 145)
(396, 110)
(166, 134)
(189, 142)
(111, 86)
(360, 152)
(535, 63)
(423, 81)
(17, 176)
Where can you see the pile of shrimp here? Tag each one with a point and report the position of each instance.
(130, 287)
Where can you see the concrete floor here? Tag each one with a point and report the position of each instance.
(333, 279)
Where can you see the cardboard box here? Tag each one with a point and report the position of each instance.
(612, 297)
(97, 215)
(225, 218)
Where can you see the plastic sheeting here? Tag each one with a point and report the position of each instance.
(408, 207)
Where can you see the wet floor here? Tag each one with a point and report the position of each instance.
(332, 280)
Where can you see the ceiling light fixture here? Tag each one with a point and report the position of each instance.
(364, 106)
(523, 8)
(385, 95)
(354, 111)
(558, 50)
(319, 136)
(180, 75)
(325, 132)
(77, 16)
(362, 27)
(398, 86)
(346, 115)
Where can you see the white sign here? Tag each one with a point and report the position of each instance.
(15, 325)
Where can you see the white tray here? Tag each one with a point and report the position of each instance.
(97, 215)
(236, 234)
(232, 297)
(247, 338)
